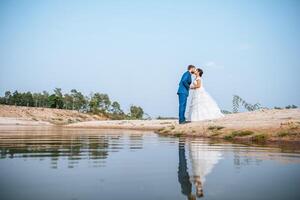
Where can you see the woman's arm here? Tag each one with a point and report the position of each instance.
(198, 84)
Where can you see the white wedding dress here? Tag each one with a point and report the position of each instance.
(203, 159)
(202, 105)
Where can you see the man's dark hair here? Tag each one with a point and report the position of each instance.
(191, 66)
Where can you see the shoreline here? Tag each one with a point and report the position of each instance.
(262, 126)
(147, 125)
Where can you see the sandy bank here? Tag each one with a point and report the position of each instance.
(126, 124)
(257, 126)
(10, 121)
(29, 115)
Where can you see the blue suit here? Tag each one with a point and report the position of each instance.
(183, 93)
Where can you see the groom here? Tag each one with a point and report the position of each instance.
(183, 92)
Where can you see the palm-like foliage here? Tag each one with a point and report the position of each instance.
(237, 101)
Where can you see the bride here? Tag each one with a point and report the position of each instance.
(202, 106)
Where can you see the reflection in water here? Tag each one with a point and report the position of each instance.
(136, 141)
(243, 158)
(139, 165)
(183, 175)
(62, 144)
(203, 159)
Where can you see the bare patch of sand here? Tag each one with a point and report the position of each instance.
(262, 125)
(53, 116)
(126, 124)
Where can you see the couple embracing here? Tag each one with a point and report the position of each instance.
(202, 105)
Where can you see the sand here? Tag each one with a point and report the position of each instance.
(261, 125)
(264, 125)
(30, 115)
(126, 124)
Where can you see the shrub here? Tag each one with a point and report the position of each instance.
(241, 133)
(178, 134)
(282, 134)
(212, 128)
(238, 134)
(228, 137)
(259, 138)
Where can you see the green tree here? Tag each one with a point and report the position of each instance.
(44, 99)
(27, 99)
(59, 98)
(291, 107)
(2, 100)
(116, 108)
(16, 98)
(68, 102)
(79, 101)
(116, 112)
(94, 103)
(54, 101)
(99, 103)
(7, 97)
(136, 112)
(36, 99)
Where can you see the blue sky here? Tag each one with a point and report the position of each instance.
(136, 51)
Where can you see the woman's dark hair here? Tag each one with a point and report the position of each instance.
(200, 72)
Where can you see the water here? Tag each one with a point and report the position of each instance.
(39, 163)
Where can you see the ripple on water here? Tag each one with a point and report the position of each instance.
(38, 163)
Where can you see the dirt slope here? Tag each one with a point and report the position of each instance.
(10, 114)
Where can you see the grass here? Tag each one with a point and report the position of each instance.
(164, 130)
(287, 133)
(165, 123)
(228, 137)
(282, 134)
(241, 133)
(160, 129)
(260, 138)
(292, 125)
(238, 134)
(215, 134)
(172, 127)
(178, 134)
(215, 128)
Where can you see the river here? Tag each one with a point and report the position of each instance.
(57, 163)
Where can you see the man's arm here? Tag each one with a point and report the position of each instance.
(186, 81)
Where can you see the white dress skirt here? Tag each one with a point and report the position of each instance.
(202, 106)
(203, 159)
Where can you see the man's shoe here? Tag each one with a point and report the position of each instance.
(185, 122)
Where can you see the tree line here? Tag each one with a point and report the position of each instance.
(96, 103)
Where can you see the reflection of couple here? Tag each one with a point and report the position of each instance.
(203, 160)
